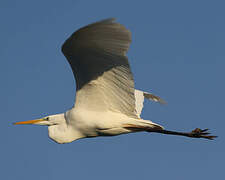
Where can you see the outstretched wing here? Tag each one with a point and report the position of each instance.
(97, 55)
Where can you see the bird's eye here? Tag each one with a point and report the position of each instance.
(47, 118)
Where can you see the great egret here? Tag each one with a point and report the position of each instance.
(106, 102)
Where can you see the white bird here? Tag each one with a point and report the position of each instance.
(106, 102)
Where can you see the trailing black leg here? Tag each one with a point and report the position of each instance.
(196, 133)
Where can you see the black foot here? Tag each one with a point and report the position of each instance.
(199, 133)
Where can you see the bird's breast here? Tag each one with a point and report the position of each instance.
(86, 122)
(91, 123)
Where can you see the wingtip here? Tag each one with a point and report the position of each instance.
(155, 98)
(162, 101)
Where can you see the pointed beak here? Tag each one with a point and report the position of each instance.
(35, 121)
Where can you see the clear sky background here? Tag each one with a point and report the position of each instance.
(177, 52)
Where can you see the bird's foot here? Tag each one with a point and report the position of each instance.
(201, 133)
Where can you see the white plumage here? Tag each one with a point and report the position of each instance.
(106, 102)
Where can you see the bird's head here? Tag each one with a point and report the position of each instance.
(58, 130)
(48, 120)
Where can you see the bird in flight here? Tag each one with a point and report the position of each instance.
(107, 104)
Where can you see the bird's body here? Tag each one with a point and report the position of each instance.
(106, 102)
(79, 123)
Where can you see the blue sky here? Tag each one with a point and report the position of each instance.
(177, 52)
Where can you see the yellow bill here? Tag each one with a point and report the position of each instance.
(29, 121)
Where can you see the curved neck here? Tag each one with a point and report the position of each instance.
(63, 132)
